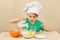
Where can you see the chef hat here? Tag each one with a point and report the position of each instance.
(33, 7)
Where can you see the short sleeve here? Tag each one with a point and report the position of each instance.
(26, 19)
(42, 28)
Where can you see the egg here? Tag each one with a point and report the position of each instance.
(31, 33)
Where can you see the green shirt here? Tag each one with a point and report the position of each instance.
(37, 26)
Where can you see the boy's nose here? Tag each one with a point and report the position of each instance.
(32, 18)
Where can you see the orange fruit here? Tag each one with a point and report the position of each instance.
(15, 33)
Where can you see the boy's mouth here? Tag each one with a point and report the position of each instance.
(32, 21)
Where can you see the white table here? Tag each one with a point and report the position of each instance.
(49, 36)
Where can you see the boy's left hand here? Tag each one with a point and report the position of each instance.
(48, 29)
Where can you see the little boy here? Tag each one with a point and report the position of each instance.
(33, 9)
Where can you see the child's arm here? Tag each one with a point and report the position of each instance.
(48, 29)
(16, 20)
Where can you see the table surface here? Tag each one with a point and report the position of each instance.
(53, 35)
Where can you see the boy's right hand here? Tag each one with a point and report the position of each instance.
(16, 20)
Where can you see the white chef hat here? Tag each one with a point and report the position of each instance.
(33, 7)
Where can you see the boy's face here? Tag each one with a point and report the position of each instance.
(32, 17)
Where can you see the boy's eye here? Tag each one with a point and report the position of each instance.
(30, 16)
(33, 16)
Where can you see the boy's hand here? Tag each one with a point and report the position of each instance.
(16, 20)
(13, 21)
(48, 29)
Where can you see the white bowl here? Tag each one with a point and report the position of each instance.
(28, 34)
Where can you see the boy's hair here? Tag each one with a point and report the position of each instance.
(35, 14)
